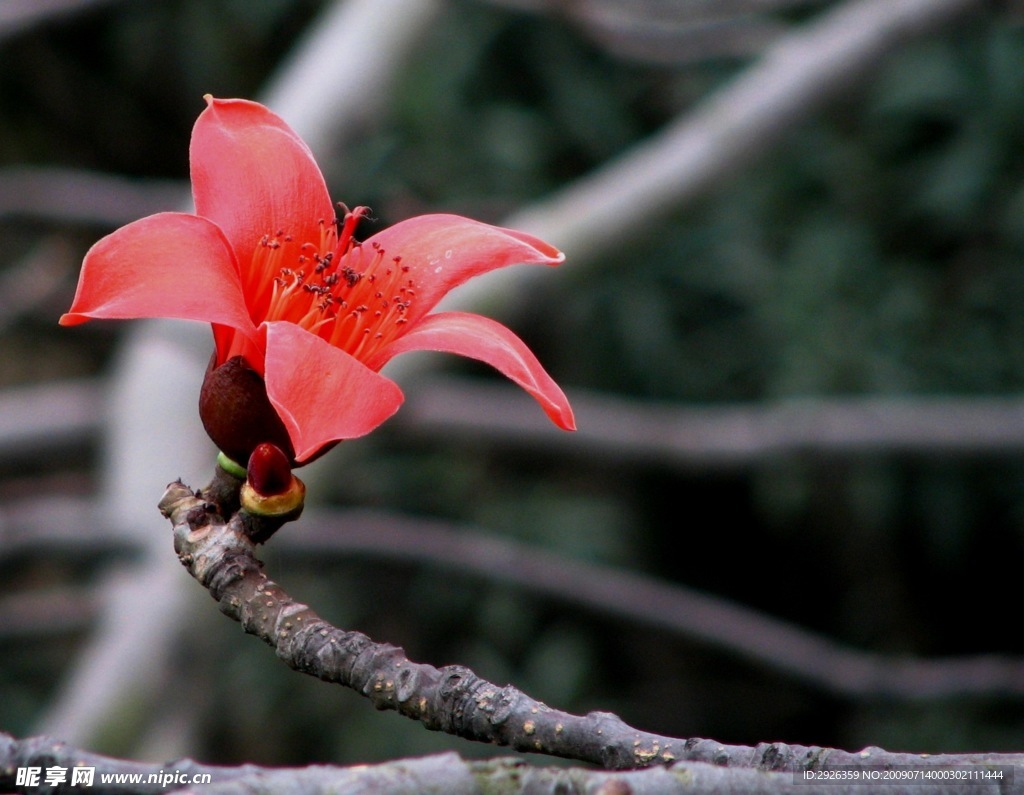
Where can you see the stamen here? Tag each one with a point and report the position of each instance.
(352, 296)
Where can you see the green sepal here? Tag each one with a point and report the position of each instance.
(231, 467)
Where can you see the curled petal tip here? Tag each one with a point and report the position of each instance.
(486, 340)
(565, 419)
(554, 402)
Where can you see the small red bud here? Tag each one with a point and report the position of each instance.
(271, 495)
(269, 471)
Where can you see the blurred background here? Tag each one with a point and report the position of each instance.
(791, 322)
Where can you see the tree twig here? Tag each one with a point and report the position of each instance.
(674, 33)
(445, 773)
(363, 45)
(796, 76)
(737, 630)
(613, 428)
(17, 16)
(128, 649)
(743, 632)
(43, 751)
(727, 436)
(50, 416)
(114, 668)
(50, 611)
(69, 195)
(453, 699)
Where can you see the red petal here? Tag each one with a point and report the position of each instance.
(167, 265)
(252, 175)
(488, 341)
(321, 393)
(444, 251)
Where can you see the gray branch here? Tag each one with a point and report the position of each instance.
(51, 526)
(18, 16)
(794, 79)
(438, 774)
(70, 195)
(453, 699)
(612, 428)
(737, 630)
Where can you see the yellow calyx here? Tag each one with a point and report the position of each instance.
(274, 505)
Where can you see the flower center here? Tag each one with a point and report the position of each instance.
(351, 295)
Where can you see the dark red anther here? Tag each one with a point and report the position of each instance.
(269, 472)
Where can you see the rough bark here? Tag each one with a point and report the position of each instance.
(452, 699)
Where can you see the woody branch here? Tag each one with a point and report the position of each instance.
(219, 554)
(446, 773)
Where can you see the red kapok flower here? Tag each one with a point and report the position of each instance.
(304, 316)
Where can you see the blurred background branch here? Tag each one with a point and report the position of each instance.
(674, 33)
(72, 196)
(149, 393)
(69, 414)
(18, 16)
(734, 126)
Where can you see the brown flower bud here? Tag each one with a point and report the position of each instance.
(237, 413)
